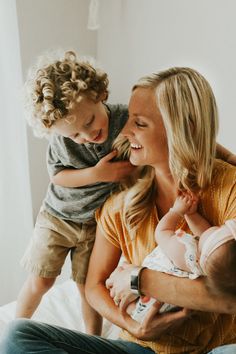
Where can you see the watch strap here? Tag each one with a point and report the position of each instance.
(135, 280)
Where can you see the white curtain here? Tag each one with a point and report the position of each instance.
(15, 200)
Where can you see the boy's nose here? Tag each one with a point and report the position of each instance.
(85, 135)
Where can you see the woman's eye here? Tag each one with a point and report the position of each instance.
(140, 125)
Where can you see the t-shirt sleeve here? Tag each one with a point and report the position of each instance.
(54, 164)
(109, 222)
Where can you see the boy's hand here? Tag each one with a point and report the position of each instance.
(113, 171)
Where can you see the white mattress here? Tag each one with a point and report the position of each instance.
(60, 306)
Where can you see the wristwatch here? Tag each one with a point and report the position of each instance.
(135, 280)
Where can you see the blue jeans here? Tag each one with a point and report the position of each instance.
(225, 349)
(26, 337)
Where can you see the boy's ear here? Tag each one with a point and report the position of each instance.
(103, 97)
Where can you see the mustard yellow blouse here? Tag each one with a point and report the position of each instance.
(204, 331)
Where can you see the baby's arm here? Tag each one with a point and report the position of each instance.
(169, 221)
(197, 223)
(104, 171)
(165, 234)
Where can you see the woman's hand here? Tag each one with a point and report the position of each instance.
(119, 286)
(155, 324)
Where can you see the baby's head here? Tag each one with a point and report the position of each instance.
(218, 258)
(60, 91)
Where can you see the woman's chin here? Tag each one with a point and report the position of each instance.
(134, 161)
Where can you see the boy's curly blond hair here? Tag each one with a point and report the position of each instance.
(53, 88)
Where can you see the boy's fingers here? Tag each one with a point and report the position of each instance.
(109, 156)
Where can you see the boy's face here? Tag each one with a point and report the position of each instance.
(87, 122)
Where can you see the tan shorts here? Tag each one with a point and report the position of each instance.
(52, 240)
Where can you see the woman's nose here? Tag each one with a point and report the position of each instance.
(127, 131)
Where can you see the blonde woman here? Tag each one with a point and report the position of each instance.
(172, 129)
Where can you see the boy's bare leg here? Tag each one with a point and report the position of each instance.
(31, 294)
(92, 319)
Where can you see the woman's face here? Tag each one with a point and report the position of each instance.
(145, 129)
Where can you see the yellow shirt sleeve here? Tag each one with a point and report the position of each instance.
(218, 202)
(108, 220)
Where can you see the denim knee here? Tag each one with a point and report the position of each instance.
(12, 334)
(16, 327)
(225, 349)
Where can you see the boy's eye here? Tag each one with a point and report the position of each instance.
(90, 122)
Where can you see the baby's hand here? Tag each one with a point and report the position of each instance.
(193, 208)
(185, 204)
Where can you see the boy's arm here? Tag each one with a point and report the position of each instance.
(104, 171)
(225, 155)
(73, 178)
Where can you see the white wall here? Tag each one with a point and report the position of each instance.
(15, 198)
(138, 37)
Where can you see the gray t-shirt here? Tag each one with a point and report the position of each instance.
(79, 204)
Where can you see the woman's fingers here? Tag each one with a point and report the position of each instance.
(125, 301)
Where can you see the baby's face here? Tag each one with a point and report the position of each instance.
(87, 122)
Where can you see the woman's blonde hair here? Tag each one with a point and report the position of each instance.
(55, 85)
(188, 108)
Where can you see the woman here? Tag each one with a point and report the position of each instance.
(172, 128)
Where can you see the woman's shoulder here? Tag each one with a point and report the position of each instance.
(223, 167)
(113, 206)
(218, 201)
(223, 177)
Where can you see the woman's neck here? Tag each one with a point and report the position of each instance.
(166, 191)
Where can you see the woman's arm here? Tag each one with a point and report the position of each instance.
(103, 261)
(183, 292)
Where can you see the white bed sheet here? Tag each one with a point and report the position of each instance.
(60, 306)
